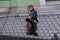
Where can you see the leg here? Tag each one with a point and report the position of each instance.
(27, 33)
(35, 26)
(35, 34)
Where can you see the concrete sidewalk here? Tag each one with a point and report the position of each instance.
(53, 3)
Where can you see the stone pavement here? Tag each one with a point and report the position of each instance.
(17, 38)
(47, 26)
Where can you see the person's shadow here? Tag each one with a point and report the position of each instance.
(55, 37)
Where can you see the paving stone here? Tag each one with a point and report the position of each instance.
(42, 34)
(7, 31)
(12, 34)
(44, 28)
(4, 34)
(47, 34)
(46, 25)
(56, 25)
(42, 25)
(3, 31)
(40, 31)
(39, 28)
(51, 25)
(45, 31)
(20, 34)
(58, 28)
(53, 28)
(48, 28)
(8, 34)
(52, 19)
(23, 31)
(1, 26)
(0, 31)
(11, 31)
(50, 31)
(55, 16)
(58, 22)
(16, 34)
(14, 28)
(9, 22)
(50, 22)
(14, 31)
(19, 31)
(10, 28)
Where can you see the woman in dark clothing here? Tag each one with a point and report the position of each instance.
(30, 27)
(33, 14)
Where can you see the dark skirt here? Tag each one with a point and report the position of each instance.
(35, 25)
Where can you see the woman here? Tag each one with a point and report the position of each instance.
(33, 14)
(30, 27)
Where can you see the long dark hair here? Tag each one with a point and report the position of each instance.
(28, 20)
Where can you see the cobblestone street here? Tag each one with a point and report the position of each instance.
(49, 23)
(16, 38)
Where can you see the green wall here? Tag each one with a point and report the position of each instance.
(18, 3)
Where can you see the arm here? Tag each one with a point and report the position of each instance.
(35, 16)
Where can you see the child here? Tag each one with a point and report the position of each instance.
(30, 28)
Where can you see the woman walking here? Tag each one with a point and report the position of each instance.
(33, 14)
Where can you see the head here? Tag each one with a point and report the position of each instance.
(27, 20)
(30, 7)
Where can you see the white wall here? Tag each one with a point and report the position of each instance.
(42, 2)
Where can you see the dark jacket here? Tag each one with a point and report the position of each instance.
(33, 15)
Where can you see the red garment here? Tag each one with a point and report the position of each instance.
(30, 29)
(28, 26)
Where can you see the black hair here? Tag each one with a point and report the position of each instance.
(32, 23)
(28, 20)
